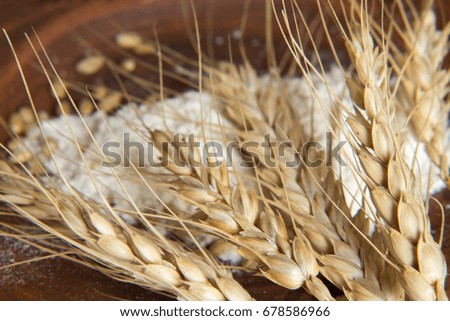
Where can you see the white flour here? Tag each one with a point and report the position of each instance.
(180, 115)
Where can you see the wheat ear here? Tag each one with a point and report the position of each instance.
(403, 217)
(424, 83)
(234, 213)
(296, 192)
(117, 249)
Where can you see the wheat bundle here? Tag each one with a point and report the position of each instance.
(362, 227)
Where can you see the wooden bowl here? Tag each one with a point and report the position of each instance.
(67, 29)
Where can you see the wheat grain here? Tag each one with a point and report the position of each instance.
(90, 65)
(17, 124)
(145, 48)
(128, 64)
(58, 90)
(111, 102)
(86, 107)
(128, 40)
(63, 107)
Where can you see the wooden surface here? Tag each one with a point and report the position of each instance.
(60, 24)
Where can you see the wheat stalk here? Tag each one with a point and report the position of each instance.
(401, 219)
(235, 213)
(404, 221)
(298, 194)
(121, 247)
(128, 253)
(424, 83)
